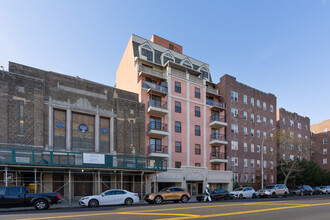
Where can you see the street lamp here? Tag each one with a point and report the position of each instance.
(262, 158)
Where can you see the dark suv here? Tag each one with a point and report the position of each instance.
(302, 190)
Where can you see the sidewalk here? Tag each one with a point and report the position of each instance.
(74, 204)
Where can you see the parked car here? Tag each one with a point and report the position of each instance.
(110, 197)
(318, 191)
(302, 191)
(274, 191)
(15, 196)
(216, 195)
(325, 189)
(174, 194)
(244, 192)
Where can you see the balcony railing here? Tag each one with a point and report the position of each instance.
(160, 149)
(154, 86)
(157, 126)
(215, 103)
(212, 90)
(157, 104)
(221, 118)
(20, 156)
(220, 137)
(217, 155)
(151, 71)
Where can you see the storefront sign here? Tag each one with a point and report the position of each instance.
(93, 158)
(22, 160)
(83, 128)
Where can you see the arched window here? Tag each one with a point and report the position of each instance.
(147, 52)
(167, 57)
(186, 63)
(205, 73)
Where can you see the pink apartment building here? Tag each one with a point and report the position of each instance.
(185, 120)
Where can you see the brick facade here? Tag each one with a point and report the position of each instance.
(320, 139)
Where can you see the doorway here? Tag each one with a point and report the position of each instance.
(195, 188)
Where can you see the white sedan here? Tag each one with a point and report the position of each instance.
(110, 197)
(244, 192)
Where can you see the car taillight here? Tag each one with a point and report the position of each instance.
(58, 195)
(188, 192)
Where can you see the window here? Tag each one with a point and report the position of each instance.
(252, 102)
(147, 52)
(265, 149)
(258, 104)
(234, 96)
(245, 162)
(234, 161)
(245, 147)
(83, 135)
(258, 148)
(245, 116)
(264, 120)
(245, 131)
(59, 139)
(258, 133)
(252, 148)
(306, 128)
(186, 63)
(306, 137)
(325, 141)
(252, 162)
(235, 177)
(258, 118)
(265, 178)
(265, 164)
(204, 72)
(283, 156)
(234, 145)
(197, 111)
(291, 134)
(155, 145)
(245, 177)
(197, 93)
(325, 131)
(21, 118)
(252, 132)
(178, 147)
(245, 99)
(171, 47)
(271, 122)
(325, 161)
(299, 126)
(234, 112)
(271, 165)
(291, 123)
(215, 166)
(291, 157)
(299, 136)
(197, 164)
(258, 163)
(178, 107)
(197, 130)
(312, 134)
(271, 179)
(252, 178)
(234, 129)
(271, 108)
(197, 149)
(178, 126)
(167, 57)
(177, 87)
(252, 117)
(177, 164)
(264, 134)
(325, 151)
(264, 106)
(283, 120)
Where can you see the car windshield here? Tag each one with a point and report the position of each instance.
(164, 190)
(238, 189)
(270, 187)
(323, 187)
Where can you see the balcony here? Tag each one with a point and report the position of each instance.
(218, 121)
(157, 130)
(215, 104)
(51, 159)
(212, 91)
(158, 151)
(147, 71)
(157, 108)
(155, 89)
(218, 140)
(216, 157)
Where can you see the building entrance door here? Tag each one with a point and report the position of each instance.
(194, 189)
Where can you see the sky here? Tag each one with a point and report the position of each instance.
(276, 46)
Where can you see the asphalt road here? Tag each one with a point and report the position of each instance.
(308, 207)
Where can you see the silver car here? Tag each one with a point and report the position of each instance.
(274, 191)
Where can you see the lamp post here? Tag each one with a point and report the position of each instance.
(262, 158)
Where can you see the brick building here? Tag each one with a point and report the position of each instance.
(185, 121)
(251, 119)
(320, 136)
(74, 136)
(296, 130)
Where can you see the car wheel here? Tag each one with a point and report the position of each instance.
(274, 195)
(41, 204)
(158, 200)
(285, 194)
(254, 196)
(301, 194)
(184, 199)
(226, 197)
(128, 201)
(240, 196)
(93, 203)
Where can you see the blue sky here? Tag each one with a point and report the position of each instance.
(278, 46)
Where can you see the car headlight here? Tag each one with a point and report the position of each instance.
(268, 190)
(84, 198)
